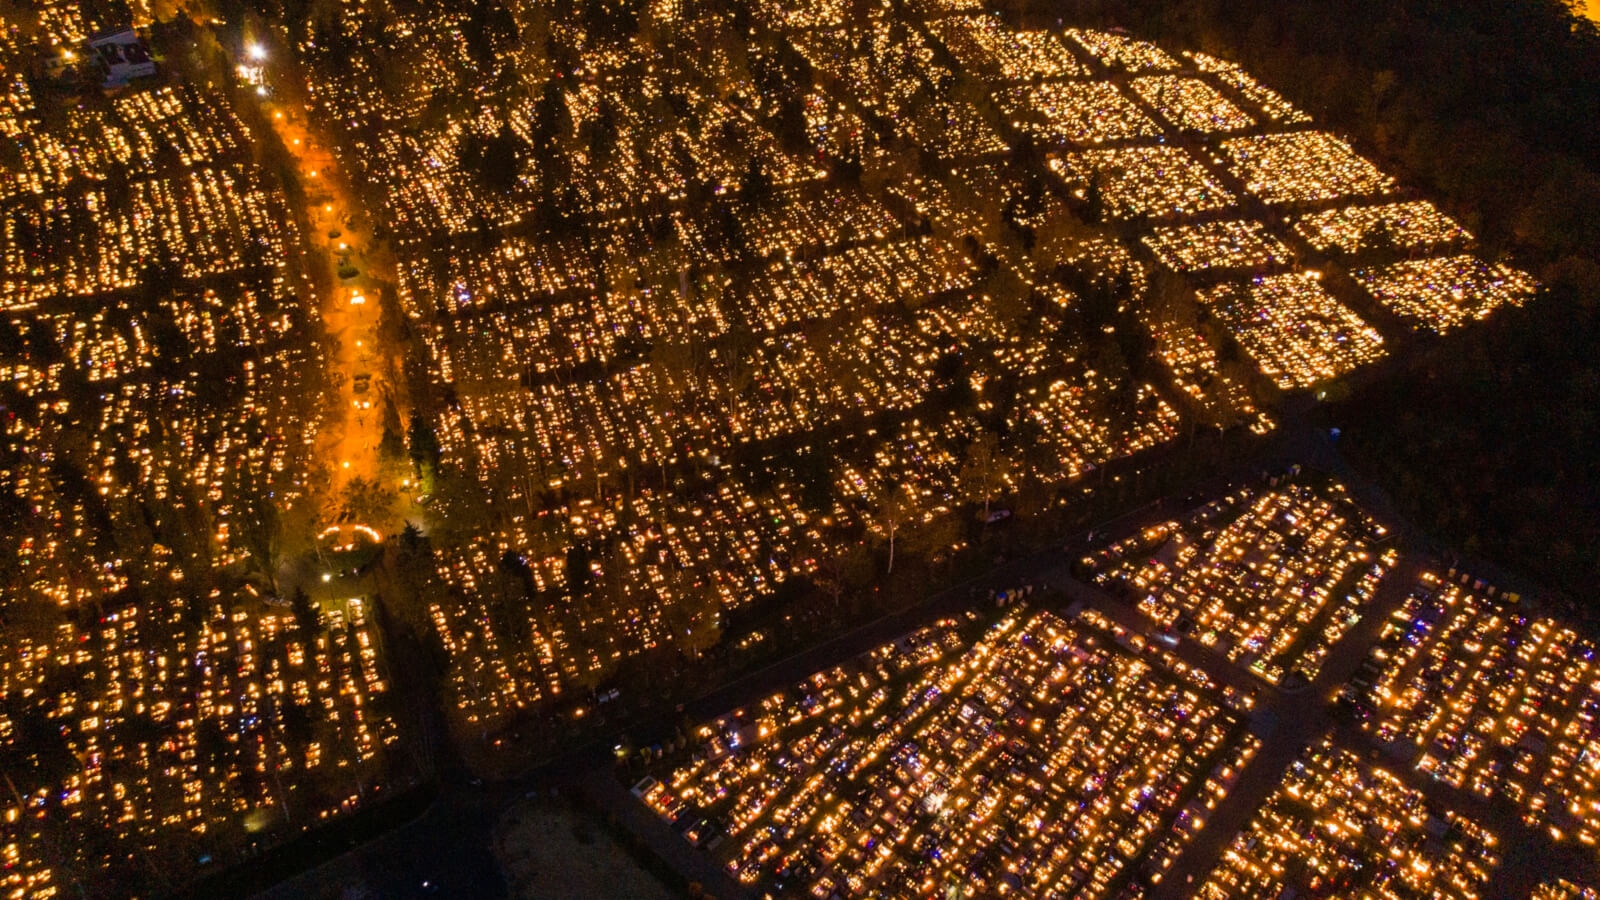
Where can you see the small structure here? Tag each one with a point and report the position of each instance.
(122, 56)
(59, 67)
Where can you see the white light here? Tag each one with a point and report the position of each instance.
(257, 52)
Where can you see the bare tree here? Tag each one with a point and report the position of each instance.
(986, 468)
(841, 567)
(898, 506)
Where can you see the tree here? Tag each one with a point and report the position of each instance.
(674, 357)
(1379, 239)
(696, 619)
(1094, 200)
(841, 567)
(986, 469)
(577, 570)
(423, 444)
(813, 469)
(160, 278)
(756, 185)
(496, 161)
(898, 506)
(551, 121)
(1009, 295)
(255, 521)
(899, 164)
(599, 135)
(411, 538)
(32, 619)
(412, 572)
(932, 541)
(1169, 303)
(392, 446)
(365, 500)
(738, 344)
(307, 618)
(489, 29)
(790, 123)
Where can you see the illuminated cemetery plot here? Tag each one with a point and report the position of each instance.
(1232, 244)
(1077, 112)
(1302, 167)
(1120, 52)
(1296, 332)
(1445, 293)
(1143, 182)
(1270, 102)
(1040, 758)
(1491, 700)
(1337, 825)
(988, 46)
(1410, 225)
(708, 263)
(1191, 104)
(1270, 579)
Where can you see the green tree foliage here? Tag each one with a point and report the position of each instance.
(1491, 443)
(366, 501)
(423, 444)
(495, 160)
(392, 445)
(985, 469)
(307, 618)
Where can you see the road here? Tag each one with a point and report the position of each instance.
(358, 366)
